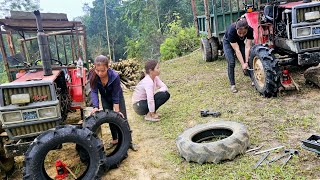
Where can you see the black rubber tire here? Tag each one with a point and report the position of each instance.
(39, 148)
(191, 149)
(124, 135)
(206, 50)
(214, 43)
(271, 81)
(6, 164)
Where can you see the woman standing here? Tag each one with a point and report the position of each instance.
(237, 40)
(150, 93)
(106, 81)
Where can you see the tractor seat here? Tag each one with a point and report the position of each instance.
(268, 12)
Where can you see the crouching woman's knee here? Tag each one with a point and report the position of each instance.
(167, 95)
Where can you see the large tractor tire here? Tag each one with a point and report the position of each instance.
(194, 144)
(265, 71)
(206, 50)
(214, 43)
(49, 140)
(124, 135)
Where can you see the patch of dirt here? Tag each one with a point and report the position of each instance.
(148, 162)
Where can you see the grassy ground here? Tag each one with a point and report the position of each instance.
(285, 120)
(195, 85)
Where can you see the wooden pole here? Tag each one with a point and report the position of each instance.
(78, 43)
(72, 48)
(84, 44)
(10, 43)
(206, 10)
(195, 19)
(105, 14)
(4, 57)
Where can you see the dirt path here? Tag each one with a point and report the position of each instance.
(148, 162)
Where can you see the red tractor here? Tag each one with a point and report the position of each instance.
(285, 33)
(43, 89)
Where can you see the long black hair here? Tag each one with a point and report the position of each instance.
(93, 77)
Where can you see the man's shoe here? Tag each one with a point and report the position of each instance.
(233, 89)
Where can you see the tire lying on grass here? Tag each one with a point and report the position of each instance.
(120, 152)
(49, 140)
(193, 143)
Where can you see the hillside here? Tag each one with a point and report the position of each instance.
(285, 120)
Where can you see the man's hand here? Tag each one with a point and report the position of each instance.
(244, 66)
(94, 110)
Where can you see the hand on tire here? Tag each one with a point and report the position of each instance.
(120, 114)
(94, 110)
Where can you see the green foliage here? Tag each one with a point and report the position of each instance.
(96, 28)
(18, 5)
(179, 41)
(3, 75)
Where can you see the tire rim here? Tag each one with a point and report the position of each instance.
(258, 71)
(211, 135)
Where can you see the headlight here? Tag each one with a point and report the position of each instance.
(12, 117)
(312, 16)
(303, 31)
(20, 98)
(47, 112)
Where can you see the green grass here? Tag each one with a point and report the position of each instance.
(286, 120)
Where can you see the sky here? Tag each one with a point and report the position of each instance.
(72, 8)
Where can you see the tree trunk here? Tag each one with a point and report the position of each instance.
(194, 11)
(207, 18)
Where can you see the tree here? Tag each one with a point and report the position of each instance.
(18, 5)
(118, 29)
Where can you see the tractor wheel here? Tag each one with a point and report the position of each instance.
(196, 144)
(120, 152)
(206, 50)
(266, 72)
(214, 42)
(34, 166)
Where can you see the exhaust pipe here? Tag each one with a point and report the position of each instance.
(43, 46)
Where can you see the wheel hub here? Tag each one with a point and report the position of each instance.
(259, 71)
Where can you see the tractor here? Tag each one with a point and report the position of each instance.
(43, 90)
(285, 33)
(48, 79)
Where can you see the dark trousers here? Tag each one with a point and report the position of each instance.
(122, 106)
(230, 56)
(160, 98)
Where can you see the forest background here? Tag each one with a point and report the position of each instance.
(141, 29)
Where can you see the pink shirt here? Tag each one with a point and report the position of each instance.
(146, 89)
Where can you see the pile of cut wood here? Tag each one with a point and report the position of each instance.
(129, 71)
